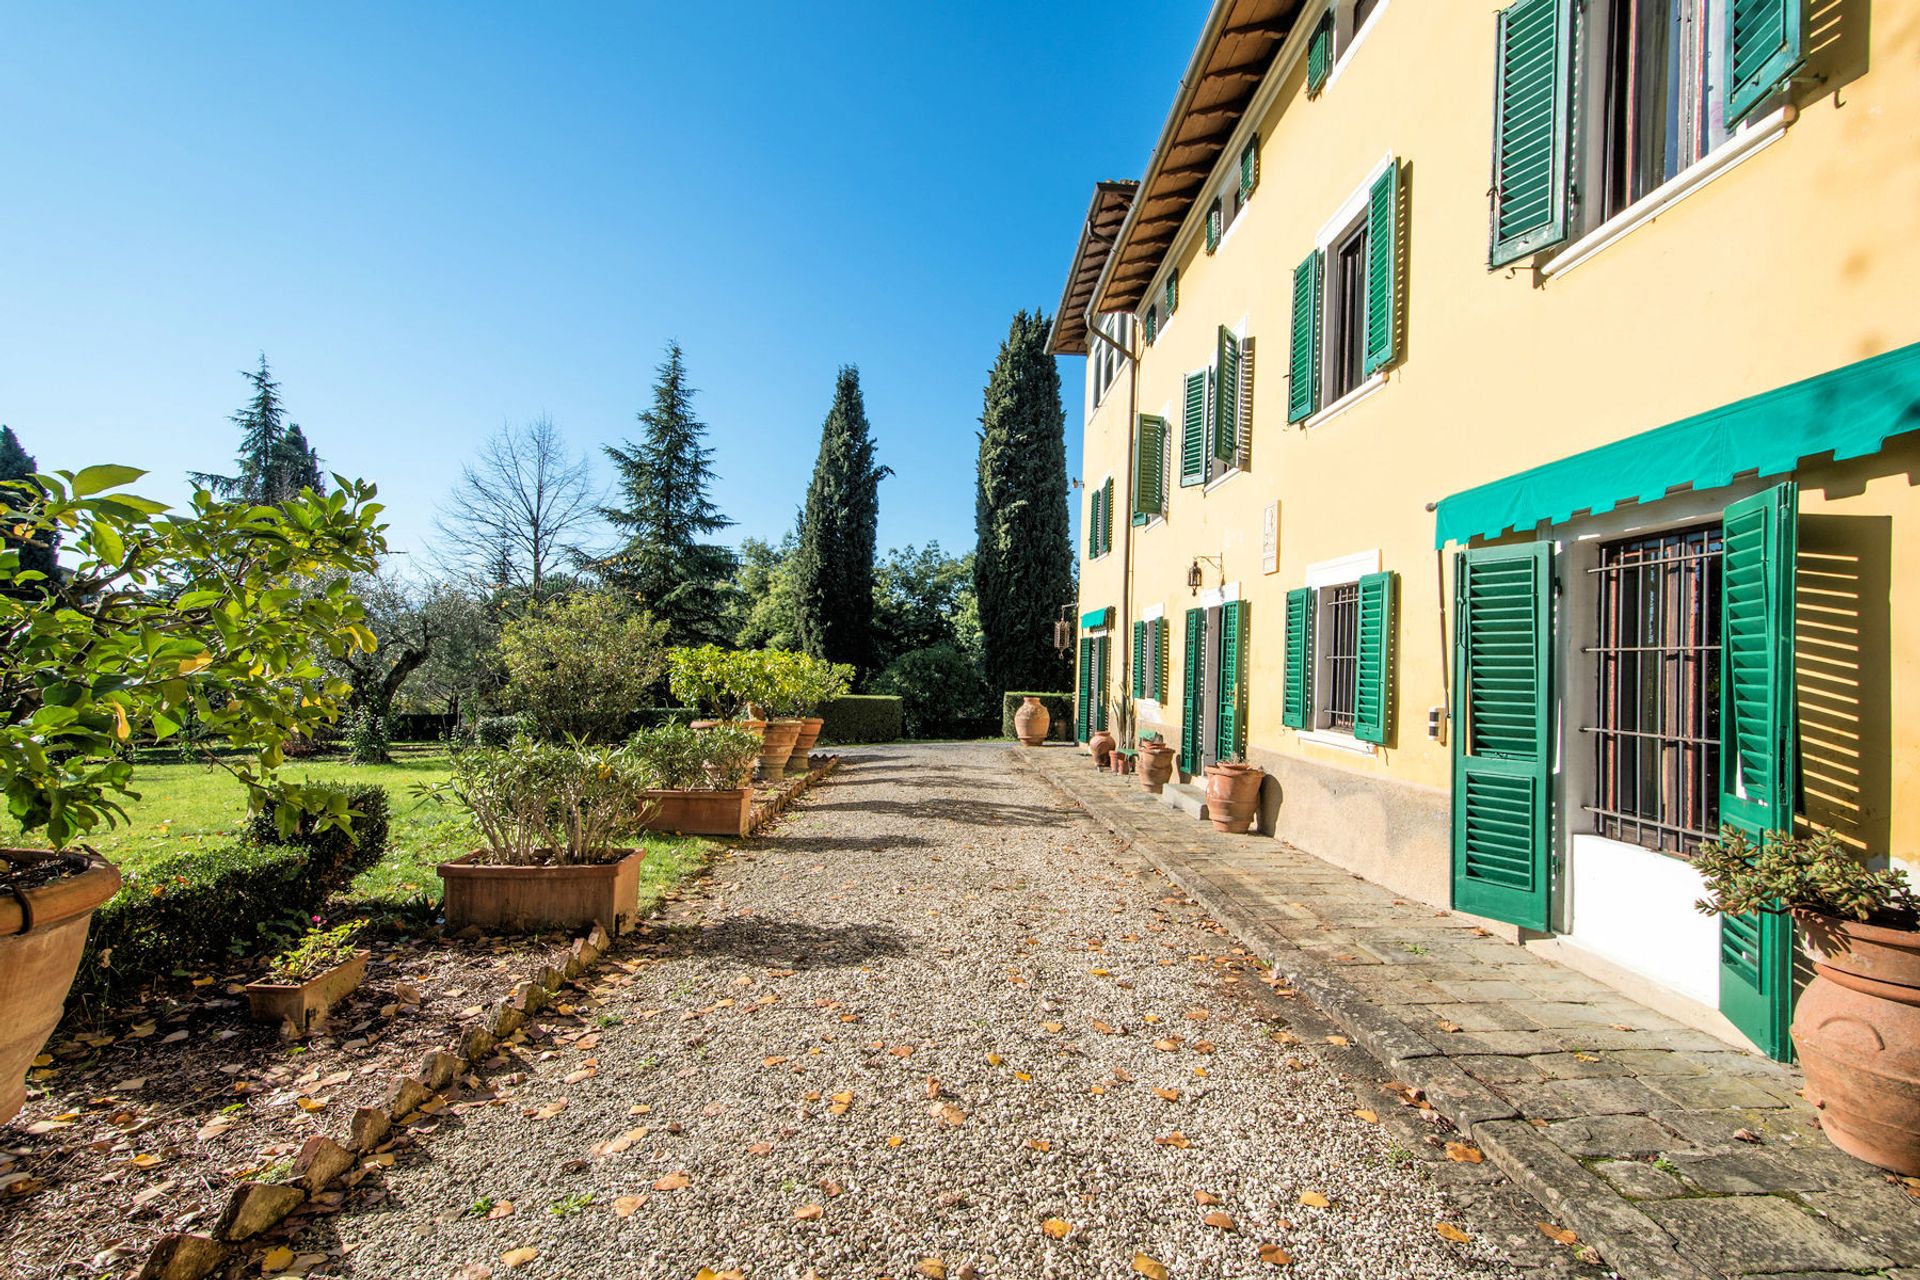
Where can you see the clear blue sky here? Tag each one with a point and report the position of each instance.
(438, 218)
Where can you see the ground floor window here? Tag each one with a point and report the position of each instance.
(1656, 730)
(1340, 654)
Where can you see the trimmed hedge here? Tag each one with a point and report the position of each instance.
(337, 856)
(500, 731)
(862, 718)
(1059, 705)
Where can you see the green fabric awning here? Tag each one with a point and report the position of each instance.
(1849, 412)
(1098, 618)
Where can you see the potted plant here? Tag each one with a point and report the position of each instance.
(156, 619)
(1120, 759)
(1156, 763)
(715, 682)
(1857, 1023)
(814, 683)
(765, 680)
(1233, 795)
(698, 782)
(553, 818)
(304, 982)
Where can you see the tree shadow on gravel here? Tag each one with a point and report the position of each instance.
(840, 844)
(792, 944)
(970, 811)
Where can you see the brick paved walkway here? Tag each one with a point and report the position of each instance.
(1675, 1155)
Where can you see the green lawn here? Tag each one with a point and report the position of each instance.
(182, 805)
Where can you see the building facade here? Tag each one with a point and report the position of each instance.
(1504, 430)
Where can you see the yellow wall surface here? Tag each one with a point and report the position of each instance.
(1800, 259)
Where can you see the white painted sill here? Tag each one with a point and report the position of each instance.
(1745, 144)
(1337, 741)
(1347, 401)
(1221, 479)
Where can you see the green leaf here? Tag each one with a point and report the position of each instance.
(100, 478)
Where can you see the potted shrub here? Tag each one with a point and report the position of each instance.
(1120, 759)
(814, 682)
(1156, 763)
(764, 679)
(1233, 795)
(213, 617)
(553, 818)
(304, 982)
(713, 681)
(1857, 1024)
(698, 782)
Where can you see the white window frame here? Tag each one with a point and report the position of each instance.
(1346, 40)
(1343, 571)
(1169, 478)
(1354, 209)
(1150, 615)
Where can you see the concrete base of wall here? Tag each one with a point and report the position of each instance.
(1390, 832)
(1641, 989)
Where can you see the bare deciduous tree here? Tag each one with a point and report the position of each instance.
(517, 509)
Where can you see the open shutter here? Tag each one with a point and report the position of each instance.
(1502, 750)
(1093, 523)
(1152, 324)
(1320, 53)
(1383, 240)
(1250, 166)
(1303, 370)
(1106, 517)
(1193, 680)
(1231, 722)
(1296, 695)
(1083, 706)
(1160, 630)
(1532, 96)
(1193, 432)
(1373, 680)
(1216, 219)
(1226, 410)
(1102, 673)
(1149, 469)
(1763, 47)
(1138, 660)
(1173, 292)
(1757, 755)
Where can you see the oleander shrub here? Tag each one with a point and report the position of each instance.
(674, 757)
(337, 853)
(1060, 707)
(500, 731)
(862, 718)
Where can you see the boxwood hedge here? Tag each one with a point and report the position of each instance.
(861, 718)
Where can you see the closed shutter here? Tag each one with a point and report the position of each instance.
(1503, 691)
(1250, 166)
(1139, 660)
(1320, 53)
(1226, 399)
(1763, 49)
(1303, 370)
(1093, 524)
(1193, 681)
(1383, 240)
(1757, 755)
(1152, 324)
(1231, 722)
(1160, 630)
(1193, 432)
(1296, 694)
(1373, 679)
(1215, 217)
(1083, 706)
(1532, 97)
(1106, 516)
(1102, 675)
(1149, 469)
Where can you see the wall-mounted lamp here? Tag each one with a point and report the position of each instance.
(1063, 631)
(1194, 580)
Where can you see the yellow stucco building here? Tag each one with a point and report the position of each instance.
(1504, 429)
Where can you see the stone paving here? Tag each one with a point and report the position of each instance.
(1678, 1156)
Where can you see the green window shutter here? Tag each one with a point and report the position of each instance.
(1250, 166)
(1193, 682)
(1149, 469)
(1320, 53)
(1139, 660)
(1152, 325)
(1757, 662)
(1303, 370)
(1160, 630)
(1383, 226)
(1296, 694)
(1532, 99)
(1230, 724)
(1215, 219)
(1106, 517)
(1373, 693)
(1103, 675)
(1083, 707)
(1763, 47)
(1093, 524)
(1193, 432)
(1173, 292)
(1503, 734)
(1226, 399)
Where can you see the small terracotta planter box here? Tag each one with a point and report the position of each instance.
(302, 1007)
(701, 813)
(536, 899)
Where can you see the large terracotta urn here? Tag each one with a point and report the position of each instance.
(1031, 722)
(43, 930)
(1857, 1027)
(801, 759)
(1156, 766)
(776, 745)
(1101, 744)
(1233, 796)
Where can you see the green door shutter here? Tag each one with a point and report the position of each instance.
(1193, 432)
(1320, 53)
(1303, 369)
(1160, 661)
(1757, 754)
(1193, 681)
(1762, 50)
(1083, 708)
(1503, 741)
(1230, 724)
(1102, 673)
(1296, 695)
(1383, 225)
(1226, 397)
(1532, 97)
(1373, 693)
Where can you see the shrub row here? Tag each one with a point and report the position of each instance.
(336, 855)
(861, 718)
(1060, 706)
(615, 726)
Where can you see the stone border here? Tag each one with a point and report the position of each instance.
(792, 787)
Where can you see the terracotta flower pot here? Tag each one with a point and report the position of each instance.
(40, 948)
(1031, 722)
(1119, 763)
(776, 744)
(701, 813)
(1233, 796)
(1857, 1027)
(302, 1007)
(801, 759)
(1156, 766)
(1101, 744)
(534, 899)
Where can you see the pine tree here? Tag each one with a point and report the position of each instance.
(833, 566)
(666, 561)
(275, 461)
(1023, 563)
(16, 463)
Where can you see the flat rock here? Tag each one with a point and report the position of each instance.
(320, 1161)
(183, 1257)
(255, 1207)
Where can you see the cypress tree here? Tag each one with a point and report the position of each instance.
(666, 561)
(17, 464)
(294, 466)
(833, 565)
(1023, 561)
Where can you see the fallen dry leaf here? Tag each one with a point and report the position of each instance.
(1206, 1197)
(1219, 1218)
(808, 1212)
(1461, 1153)
(1170, 1095)
(1145, 1266)
(1174, 1139)
(517, 1258)
(623, 1206)
(1274, 1256)
(1557, 1234)
(932, 1268)
(503, 1209)
(672, 1182)
(278, 1258)
(1056, 1228)
(1450, 1232)
(1313, 1199)
(1371, 1117)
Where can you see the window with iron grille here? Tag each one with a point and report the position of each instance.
(1656, 730)
(1340, 653)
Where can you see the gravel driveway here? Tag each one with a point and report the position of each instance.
(934, 1024)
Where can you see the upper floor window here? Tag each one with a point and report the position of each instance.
(1346, 310)
(1338, 33)
(1106, 362)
